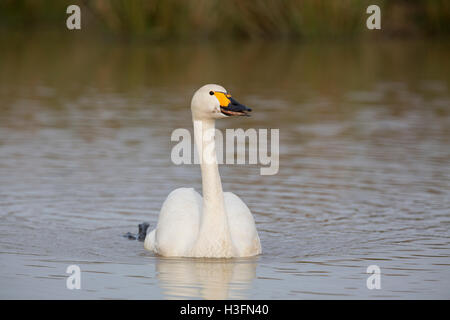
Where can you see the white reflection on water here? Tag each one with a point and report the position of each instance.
(206, 278)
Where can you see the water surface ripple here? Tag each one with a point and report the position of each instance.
(364, 168)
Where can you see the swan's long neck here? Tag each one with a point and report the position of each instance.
(214, 236)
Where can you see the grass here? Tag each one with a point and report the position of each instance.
(242, 19)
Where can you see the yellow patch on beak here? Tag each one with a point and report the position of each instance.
(223, 98)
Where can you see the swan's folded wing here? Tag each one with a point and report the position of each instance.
(242, 226)
(178, 223)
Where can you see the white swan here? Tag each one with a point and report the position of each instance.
(220, 225)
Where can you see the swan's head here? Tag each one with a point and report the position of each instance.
(214, 102)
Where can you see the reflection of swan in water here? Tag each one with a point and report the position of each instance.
(182, 278)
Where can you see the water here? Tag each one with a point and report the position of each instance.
(364, 173)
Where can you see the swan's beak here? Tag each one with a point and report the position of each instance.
(229, 106)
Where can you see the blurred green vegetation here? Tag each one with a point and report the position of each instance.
(244, 19)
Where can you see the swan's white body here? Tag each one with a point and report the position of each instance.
(219, 225)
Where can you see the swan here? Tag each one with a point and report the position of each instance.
(219, 225)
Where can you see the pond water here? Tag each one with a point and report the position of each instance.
(364, 173)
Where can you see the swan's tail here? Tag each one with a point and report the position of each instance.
(149, 242)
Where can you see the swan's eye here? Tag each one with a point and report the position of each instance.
(211, 92)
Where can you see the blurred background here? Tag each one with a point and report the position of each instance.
(364, 117)
(197, 20)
